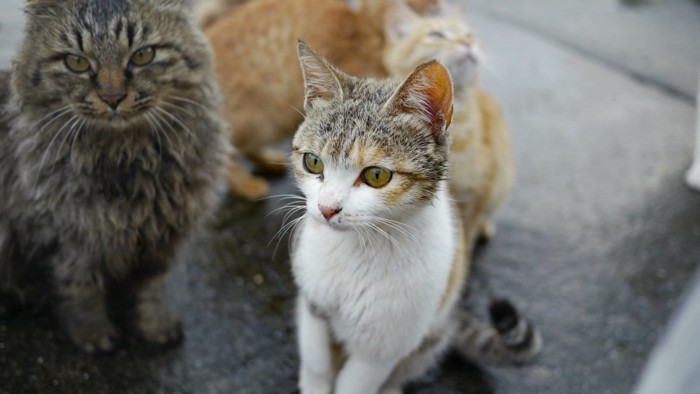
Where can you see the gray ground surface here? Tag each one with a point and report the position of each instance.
(596, 244)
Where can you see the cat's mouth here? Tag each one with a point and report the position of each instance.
(467, 59)
(339, 223)
(115, 118)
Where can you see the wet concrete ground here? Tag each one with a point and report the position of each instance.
(596, 244)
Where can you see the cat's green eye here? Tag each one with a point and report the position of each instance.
(143, 56)
(376, 176)
(312, 163)
(77, 64)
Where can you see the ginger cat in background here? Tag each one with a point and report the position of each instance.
(481, 166)
(208, 11)
(254, 46)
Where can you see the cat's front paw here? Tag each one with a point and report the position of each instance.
(692, 177)
(160, 327)
(94, 337)
(315, 383)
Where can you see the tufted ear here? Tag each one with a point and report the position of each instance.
(321, 79)
(427, 95)
(399, 20)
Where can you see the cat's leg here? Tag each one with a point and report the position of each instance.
(245, 184)
(81, 307)
(316, 373)
(270, 160)
(509, 340)
(692, 177)
(363, 376)
(487, 230)
(150, 318)
(421, 360)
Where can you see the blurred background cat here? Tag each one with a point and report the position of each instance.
(481, 166)
(262, 84)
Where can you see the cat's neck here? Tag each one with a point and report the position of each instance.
(466, 104)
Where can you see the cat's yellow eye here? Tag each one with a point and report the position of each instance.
(376, 176)
(143, 56)
(312, 163)
(77, 64)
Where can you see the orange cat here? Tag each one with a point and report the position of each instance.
(254, 46)
(481, 166)
(207, 11)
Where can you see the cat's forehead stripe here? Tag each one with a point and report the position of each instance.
(101, 11)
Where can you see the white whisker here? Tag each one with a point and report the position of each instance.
(160, 122)
(178, 107)
(46, 151)
(154, 132)
(188, 101)
(176, 120)
(297, 110)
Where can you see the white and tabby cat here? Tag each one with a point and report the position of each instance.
(379, 258)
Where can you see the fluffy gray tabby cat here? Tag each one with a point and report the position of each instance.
(109, 154)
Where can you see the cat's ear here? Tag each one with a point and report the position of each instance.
(321, 80)
(427, 95)
(399, 20)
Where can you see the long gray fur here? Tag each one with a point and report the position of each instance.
(91, 209)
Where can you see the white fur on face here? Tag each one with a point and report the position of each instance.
(341, 188)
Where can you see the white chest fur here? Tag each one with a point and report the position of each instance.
(379, 298)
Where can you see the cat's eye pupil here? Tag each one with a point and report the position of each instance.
(77, 64)
(143, 56)
(312, 163)
(376, 176)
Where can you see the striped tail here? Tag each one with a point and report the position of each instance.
(509, 340)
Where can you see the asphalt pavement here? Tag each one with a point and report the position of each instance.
(596, 244)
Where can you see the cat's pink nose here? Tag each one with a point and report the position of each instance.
(112, 95)
(328, 213)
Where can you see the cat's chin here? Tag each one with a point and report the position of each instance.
(334, 224)
(118, 121)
